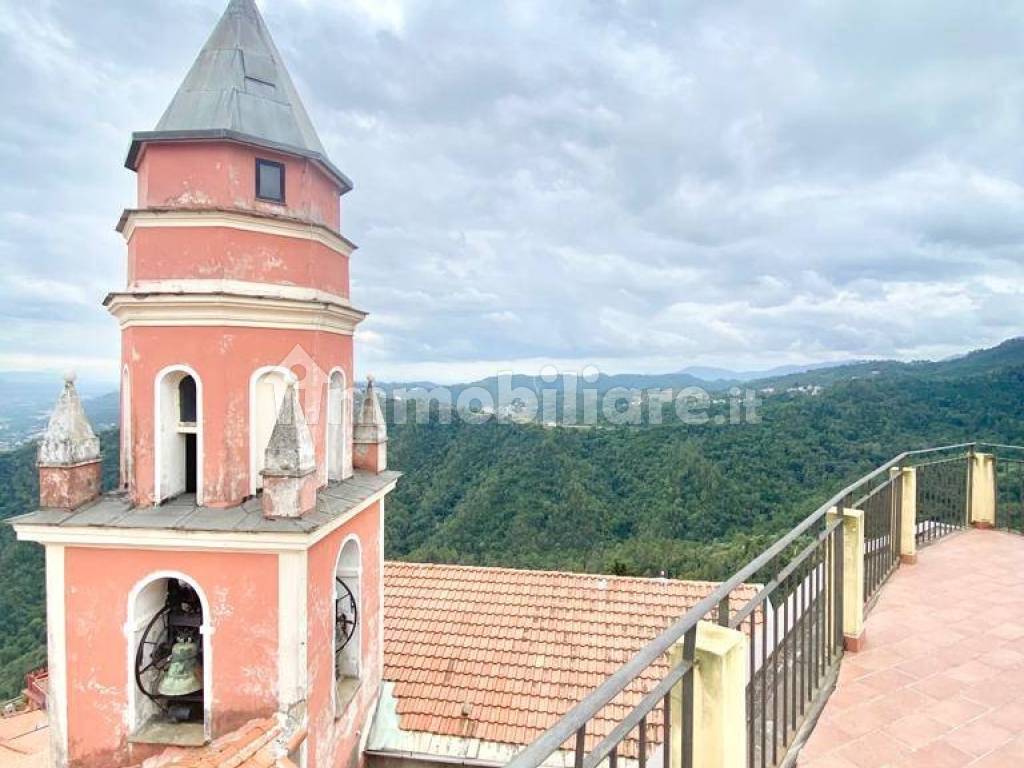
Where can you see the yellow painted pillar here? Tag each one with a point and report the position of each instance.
(908, 513)
(719, 699)
(983, 490)
(853, 577)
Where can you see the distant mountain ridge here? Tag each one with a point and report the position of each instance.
(26, 398)
(1006, 354)
(711, 374)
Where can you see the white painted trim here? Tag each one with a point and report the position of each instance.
(190, 541)
(251, 222)
(292, 628)
(127, 449)
(238, 288)
(253, 381)
(158, 426)
(346, 427)
(57, 655)
(206, 630)
(182, 310)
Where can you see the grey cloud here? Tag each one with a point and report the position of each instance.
(636, 182)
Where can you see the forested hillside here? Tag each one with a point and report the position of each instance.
(690, 501)
(23, 628)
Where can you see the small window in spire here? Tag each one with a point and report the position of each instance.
(269, 180)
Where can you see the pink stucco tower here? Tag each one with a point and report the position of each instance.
(236, 572)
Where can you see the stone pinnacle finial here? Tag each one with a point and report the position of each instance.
(289, 477)
(69, 438)
(290, 450)
(370, 426)
(370, 433)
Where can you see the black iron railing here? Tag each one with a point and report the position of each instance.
(943, 498)
(1009, 473)
(882, 507)
(794, 644)
(794, 624)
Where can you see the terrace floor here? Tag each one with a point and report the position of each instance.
(941, 682)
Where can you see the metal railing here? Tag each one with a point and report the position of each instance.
(794, 645)
(882, 507)
(943, 497)
(1009, 473)
(794, 625)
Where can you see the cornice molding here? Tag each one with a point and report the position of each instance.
(250, 221)
(271, 309)
(182, 540)
(197, 286)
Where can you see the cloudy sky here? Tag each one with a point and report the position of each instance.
(636, 185)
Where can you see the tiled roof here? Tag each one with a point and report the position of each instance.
(493, 654)
(24, 740)
(498, 654)
(254, 745)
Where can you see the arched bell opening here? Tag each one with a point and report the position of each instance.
(179, 434)
(169, 658)
(339, 463)
(266, 392)
(347, 609)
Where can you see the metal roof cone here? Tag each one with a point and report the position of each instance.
(239, 89)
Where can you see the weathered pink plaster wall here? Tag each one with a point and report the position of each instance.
(220, 253)
(334, 741)
(69, 487)
(223, 175)
(242, 591)
(224, 360)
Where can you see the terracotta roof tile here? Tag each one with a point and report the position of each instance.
(521, 647)
(254, 745)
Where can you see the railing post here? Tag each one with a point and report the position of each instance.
(983, 490)
(908, 513)
(719, 709)
(853, 576)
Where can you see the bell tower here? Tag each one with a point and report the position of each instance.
(236, 571)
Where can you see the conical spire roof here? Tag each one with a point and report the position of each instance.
(239, 89)
(290, 450)
(369, 425)
(69, 438)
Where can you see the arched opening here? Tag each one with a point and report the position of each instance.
(169, 658)
(347, 623)
(338, 459)
(179, 421)
(266, 391)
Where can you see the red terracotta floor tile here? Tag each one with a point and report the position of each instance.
(941, 684)
(979, 737)
(938, 754)
(917, 730)
(873, 751)
(956, 711)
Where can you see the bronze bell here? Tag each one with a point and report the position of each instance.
(184, 675)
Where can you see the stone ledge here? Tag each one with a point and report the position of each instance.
(114, 511)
